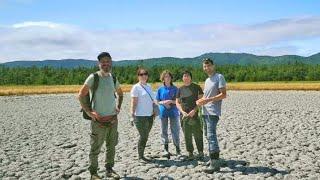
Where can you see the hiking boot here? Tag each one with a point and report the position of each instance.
(95, 177)
(178, 150)
(200, 156)
(166, 151)
(110, 173)
(214, 163)
(213, 167)
(190, 157)
(144, 159)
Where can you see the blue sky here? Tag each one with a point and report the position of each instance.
(42, 29)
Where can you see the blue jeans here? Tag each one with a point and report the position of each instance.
(211, 122)
(175, 130)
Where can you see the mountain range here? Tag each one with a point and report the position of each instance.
(219, 59)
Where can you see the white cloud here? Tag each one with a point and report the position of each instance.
(37, 24)
(48, 40)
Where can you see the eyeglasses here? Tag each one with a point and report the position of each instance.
(143, 74)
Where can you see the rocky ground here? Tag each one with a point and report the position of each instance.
(262, 135)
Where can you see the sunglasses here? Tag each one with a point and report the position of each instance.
(143, 74)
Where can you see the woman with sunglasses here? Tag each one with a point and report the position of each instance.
(142, 100)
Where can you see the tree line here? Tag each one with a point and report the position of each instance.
(127, 74)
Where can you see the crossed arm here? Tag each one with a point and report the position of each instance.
(192, 112)
(220, 96)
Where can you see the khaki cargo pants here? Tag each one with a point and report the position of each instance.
(100, 134)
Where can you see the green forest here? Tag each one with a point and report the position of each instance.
(127, 74)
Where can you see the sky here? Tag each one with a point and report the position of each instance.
(136, 29)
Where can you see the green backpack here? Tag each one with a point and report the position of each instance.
(94, 88)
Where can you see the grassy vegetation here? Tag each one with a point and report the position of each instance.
(298, 85)
(24, 90)
(56, 89)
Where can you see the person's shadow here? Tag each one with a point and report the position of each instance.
(245, 169)
(234, 166)
(137, 178)
(173, 162)
(132, 178)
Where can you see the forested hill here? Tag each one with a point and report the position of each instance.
(220, 59)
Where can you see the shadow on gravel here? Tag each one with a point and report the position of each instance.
(244, 168)
(178, 163)
(165, 178)
(137, 178)
(132, 178)
(173, 162)
(235, 166)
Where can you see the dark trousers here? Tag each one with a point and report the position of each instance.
(143, 125)
(192, 127)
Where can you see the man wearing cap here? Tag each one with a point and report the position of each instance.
(103, 113)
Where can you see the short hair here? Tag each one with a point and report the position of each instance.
(141, 69)
(102, 55)
(164, 73)
(187, 72)
(207, 61)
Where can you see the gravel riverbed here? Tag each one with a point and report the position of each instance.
(262, 135)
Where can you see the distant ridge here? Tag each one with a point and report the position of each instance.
(219, 58)
(65, 63)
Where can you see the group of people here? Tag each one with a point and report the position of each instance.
(178, 106)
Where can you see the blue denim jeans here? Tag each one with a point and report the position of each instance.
(175, 130)
(212, 122)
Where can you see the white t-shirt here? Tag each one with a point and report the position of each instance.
(144, 105)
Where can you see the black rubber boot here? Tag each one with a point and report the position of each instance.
(166, 151)
(214, 163)
(178, 150)
(190, 156)
(140, 152)
(201, 156)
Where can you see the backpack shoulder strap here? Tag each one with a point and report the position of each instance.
(95, 85)
(114, 80)
(95, 82)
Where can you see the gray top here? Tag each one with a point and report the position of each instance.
(211, 89)
(104, 102)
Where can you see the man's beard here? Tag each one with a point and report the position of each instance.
(105, 69)
(209, 72)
